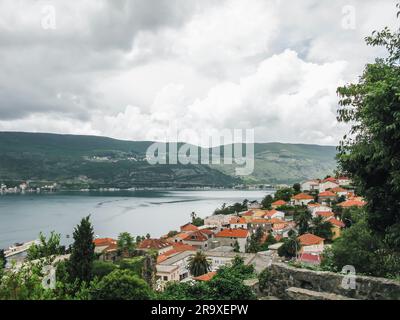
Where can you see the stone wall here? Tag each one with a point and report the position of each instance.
(284, 277)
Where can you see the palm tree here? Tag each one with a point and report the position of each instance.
(302, 220)
(199, 264)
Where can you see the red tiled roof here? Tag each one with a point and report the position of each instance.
(156, 244)
(275, 221)
(330, 179)
(352, 203)
(177, 248)
(327, 194)
(303, 196)
(248, 214)
(198, 236)
(259, 221)
(238, 220)
(307, 257)
(232, 233)
(279, 203)
(309, 239)
(205, 277)
(338, 189)
(189, 227)
(325, 214)
(336, 222)
(102, 242)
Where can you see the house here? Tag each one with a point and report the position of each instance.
(279, 203)
(198, 239)
(159, 245)
(106, 248)
(177, 248)
(238, 223)
(337, 227)
(274, 214)
(340, 192)
(248, 215)
(254, 205)
(310, 185)
(324, 214)
(218, 220)
(189, 228)
(302, 199)
(352, 203)
(255, 223)
(313, 208)
(228, 237)
(206, 277)
(344, 181)
(311, 243)
(310, 258)
(328, 183)
(326, 197)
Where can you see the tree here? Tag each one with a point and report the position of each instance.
(289, 248)
(302, 220)
(103, 268)
(46, 248)
(269, 241)
(370, 154)
(254, 243)
(121, 285)
(82, 251)
(284, 194)
(199, 264)
(3, 259)
(148, 236)
(297, 188)
(126, 244)
(322, 228)
(267, 202)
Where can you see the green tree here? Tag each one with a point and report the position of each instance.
(302, 219)
(199, 264)
(254, 242)
(370, 154)
(103, 268)
(267, 202)
(322, 228)
(3, 259)
(82, 251)
(284, 194)
(126, 244)
(297, 188)
(236, 247)
(289, 248)
(121, 285)
(46, 248)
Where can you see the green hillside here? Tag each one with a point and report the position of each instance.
(75, 161)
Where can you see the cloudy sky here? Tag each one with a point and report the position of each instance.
(130, 68)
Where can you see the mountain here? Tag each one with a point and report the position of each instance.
(77, 162)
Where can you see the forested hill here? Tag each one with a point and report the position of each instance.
(76, 161)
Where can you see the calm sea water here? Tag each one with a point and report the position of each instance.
(22, 217)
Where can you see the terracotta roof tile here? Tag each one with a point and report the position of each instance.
(232, 233)
(309, 239)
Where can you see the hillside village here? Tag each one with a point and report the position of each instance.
(257, 234)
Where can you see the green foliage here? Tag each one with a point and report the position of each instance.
(264, 278)
(322, 228)
(46, 248)
(284, 194)
(297, 188)
(289, 248)
(302, 217)
(103, 268)
(254, 242)
(199, 264)
(126, 244)
(267, 202)
(269, 241)
(236, 247)
(236, 208)
(121, 285)
(198, 222)
(3, 260)
(82, 252)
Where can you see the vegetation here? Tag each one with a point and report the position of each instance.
(267, 202)
(234, 209)
(3, 260)
(284, 194)
(126, 244)
(46, 248)
(263, 278)
(322, 228)
(289, 248)
(370, 155)
(82, 252)
(199, 264)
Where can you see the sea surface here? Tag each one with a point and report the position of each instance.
(22, 217)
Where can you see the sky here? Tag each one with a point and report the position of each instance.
(132, 69)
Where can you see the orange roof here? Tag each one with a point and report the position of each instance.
(156, 244)
(336, 222)
(278, 237)
(189, 227)
(275, 221)
(330, 179)
(309, 239)
(279, 203)
(303, 196)
(177, 248)
(232, 233)
(279, 227)
(237, 220)
(197, 236)
(255, 221)
(325, 214)
(352, 203)
(327, 194)
(102, 242)
(205, 277)
(338, 189)
(270, 213)
(313, 205)
(248, 214)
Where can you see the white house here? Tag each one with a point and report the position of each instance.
(344, 181)
(310, 185)
(228, 237)
(302, 199)
(328, 183)
(311, 243)
(238, 223)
